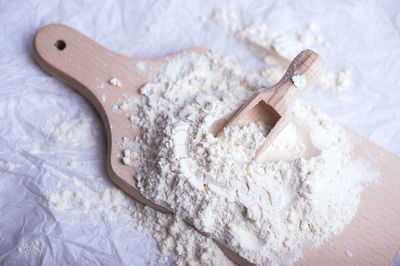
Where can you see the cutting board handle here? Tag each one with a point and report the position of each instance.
(78, 61)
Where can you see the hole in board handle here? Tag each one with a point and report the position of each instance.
(60, 44)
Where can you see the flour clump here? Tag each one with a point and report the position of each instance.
(299, 81)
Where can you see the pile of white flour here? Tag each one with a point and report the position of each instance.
(306, 191)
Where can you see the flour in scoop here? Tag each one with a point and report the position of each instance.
(304, 191)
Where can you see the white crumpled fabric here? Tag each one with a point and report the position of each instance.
(363, 35)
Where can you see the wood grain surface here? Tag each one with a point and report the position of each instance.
(373, 236)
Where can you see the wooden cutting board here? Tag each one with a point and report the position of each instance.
(374, 234)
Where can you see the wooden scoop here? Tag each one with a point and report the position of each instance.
(88, 67)
(273, 106)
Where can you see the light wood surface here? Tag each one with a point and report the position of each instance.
(373, 236)
(87, 67)
(272, 106)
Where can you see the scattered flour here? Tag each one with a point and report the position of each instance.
(78, 198)
(339, 82)
(140, 66)
(115, 82)
(73, 132)
(264, 211)
(125, 104)
(126, 161)
(10, 166)
(277, 49)
(224, 14)
(126, 158)
(30, 248)
(173, 235)
(34, 148)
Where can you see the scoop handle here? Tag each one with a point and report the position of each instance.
(307, 64)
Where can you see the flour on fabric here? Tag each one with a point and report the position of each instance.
(69, 132)
(174, 236)
(30, 248)
(264, 211)
(278, 49)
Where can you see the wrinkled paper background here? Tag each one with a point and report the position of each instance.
(364, 35)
